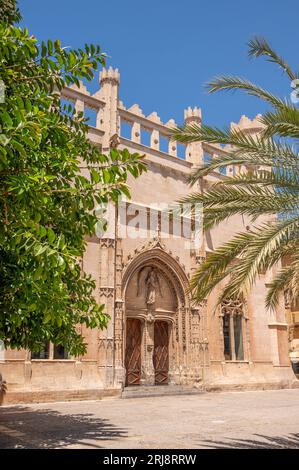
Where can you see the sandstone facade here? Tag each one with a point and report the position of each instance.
(155, 335)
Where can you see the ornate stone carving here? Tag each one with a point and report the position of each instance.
(287, 303)
(149, 285)
(195, 326)
(114, 141)
(107, 242)
(106, 291)
(152, 283)
(183, 323)
(154, 286)
(118, 330)
(154, 244)
(177, 335)
(150, 317)
(232, 307)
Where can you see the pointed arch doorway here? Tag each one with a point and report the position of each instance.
(155, 312)
(160, 352)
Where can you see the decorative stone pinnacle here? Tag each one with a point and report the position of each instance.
(109, 75)
(82, 88)
(154, 117)
(171, 123)
(136, 110)
(245, 123)
(192, 115)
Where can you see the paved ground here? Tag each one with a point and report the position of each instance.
(231, 419)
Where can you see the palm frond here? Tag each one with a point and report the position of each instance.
(278, 179)
(282, 122)
(244, 149)
(230, 83)
(264, 250)
(279, 284)
(258, 46)
(215, 267)
(266, 183)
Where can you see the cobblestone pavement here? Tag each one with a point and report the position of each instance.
(211, 420)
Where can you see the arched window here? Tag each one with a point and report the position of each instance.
(233, 334)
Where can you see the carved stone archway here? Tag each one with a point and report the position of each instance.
(154, 291)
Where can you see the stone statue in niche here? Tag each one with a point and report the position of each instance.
(152, 285)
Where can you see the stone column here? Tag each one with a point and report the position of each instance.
(79, 106)
(136, 132)
(119, 370)
(155, 139)
(172, 148)
(106, 362)
(172, 354)
(148, 371)
(232, 337)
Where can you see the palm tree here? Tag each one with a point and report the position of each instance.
(268, 185)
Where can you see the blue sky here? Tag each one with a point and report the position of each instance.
(167, 50)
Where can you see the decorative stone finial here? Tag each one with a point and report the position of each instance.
(136, 110)
(154, 117)
(121, 105)
(171, 123)
(82, 88)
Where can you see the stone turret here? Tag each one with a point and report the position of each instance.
(194, 151)
(107, 119)
(109, 76)
(192, 115)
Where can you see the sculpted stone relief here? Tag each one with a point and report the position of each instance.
(152, 285)
(149, 289)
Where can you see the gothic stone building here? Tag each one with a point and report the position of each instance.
(155, 336)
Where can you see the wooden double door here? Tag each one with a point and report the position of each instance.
(133, 352)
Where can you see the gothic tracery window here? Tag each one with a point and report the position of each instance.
(233, 334)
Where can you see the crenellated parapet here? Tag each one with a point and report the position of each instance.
(146, 133)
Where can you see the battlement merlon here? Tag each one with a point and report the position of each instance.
(250, 126)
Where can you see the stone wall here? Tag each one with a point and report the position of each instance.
(119, 262)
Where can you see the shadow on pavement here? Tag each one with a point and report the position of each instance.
(261, 442)
(22, 427)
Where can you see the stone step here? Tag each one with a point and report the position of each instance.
(141, 391)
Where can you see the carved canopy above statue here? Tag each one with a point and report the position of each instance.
(152, 282)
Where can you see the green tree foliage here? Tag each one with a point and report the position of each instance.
(47, 206)
(9, 11)
(267, 186)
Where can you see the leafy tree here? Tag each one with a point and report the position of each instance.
(267, 186)
(48, 207)
(9, 11)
